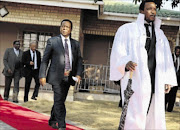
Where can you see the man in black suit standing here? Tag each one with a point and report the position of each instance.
(31, 60)
(66, 61)
(12, 70)
(170, 98)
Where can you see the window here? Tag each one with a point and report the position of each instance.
(40, 37)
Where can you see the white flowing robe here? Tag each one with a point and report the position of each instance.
(129, 45)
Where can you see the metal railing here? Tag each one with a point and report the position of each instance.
(95, 79)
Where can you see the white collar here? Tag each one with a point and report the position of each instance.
(15, 49)
(32, 51)
(140, 20)
(63, 38)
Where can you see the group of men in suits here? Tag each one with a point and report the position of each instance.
(65, 69)
(18, 64)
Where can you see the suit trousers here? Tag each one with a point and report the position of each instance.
(58, 112)
(8, 81)
(170, 99)
(33, 74)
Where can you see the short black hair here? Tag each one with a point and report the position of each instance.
(142, 5)
(177, 47)
(16, 42)
(67, 21)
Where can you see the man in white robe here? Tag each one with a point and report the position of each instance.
(145, 109)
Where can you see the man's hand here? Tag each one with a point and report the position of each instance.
(131, 66)
(31, 63)
(167, 88)
(79, 79)
(9, 71)
(42, 81)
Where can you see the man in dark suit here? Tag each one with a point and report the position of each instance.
(66, 61)
(12, 70)
(31, 60)
(170, 98)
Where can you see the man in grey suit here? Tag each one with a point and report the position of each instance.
(12, 70)
(66, 61)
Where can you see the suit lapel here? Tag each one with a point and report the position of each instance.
(14, 53)
(29, 55)
(20, 53)
(72, 48)
(60, 44)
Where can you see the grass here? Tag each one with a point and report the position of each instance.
(97, 114)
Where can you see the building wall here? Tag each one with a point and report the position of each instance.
(96, 49)
(42, 15)
(25, 16)
(171, 34)
(95, 26)
(8, 33)
(29, 15)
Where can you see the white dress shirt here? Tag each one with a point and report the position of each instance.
(150, 27)
(16, 52)
(178, 62)
(69, 47)
(35, 58)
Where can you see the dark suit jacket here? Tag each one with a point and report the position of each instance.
(55, 52)
(10, 59)
(177, 73)
(26, 58)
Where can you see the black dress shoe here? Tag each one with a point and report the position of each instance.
(5, 98)
(25, 100)
(16, 101)
(33, 98)
(53, 125)
(62, 129)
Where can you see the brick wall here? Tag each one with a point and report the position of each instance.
(93, 25)
(42, 15)
(171, 34)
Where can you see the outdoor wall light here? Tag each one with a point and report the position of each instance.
(4, 11)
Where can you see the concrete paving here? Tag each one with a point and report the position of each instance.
(4, 126)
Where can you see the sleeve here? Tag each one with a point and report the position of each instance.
(120, 54)
(5, 59)
(40, 57)
(170, 74)
(24, 59)
(45, 60)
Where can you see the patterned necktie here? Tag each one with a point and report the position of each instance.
(67, 61)
(148, 39)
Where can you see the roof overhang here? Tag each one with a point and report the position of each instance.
(80, 4)
(132, 17)
(99, 6)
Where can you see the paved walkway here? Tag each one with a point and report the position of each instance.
(4, 126)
